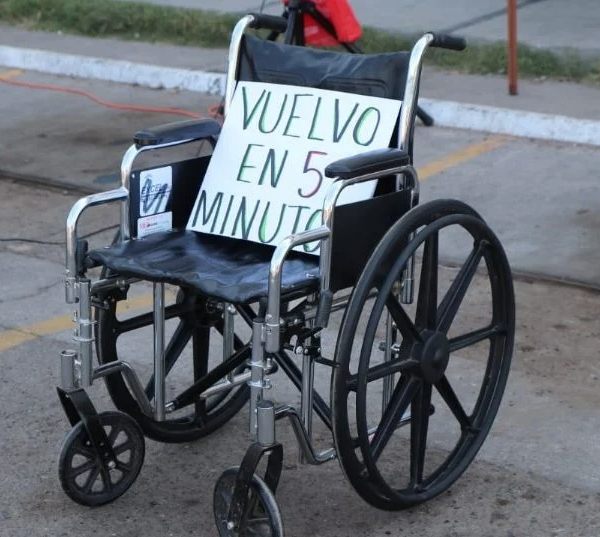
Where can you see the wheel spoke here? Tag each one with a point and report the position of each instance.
(124, 467)
(449, 395)
(84, 451)
(112, 436)
(426, 316)
(403, 394)
(81, 469)
(403, 322)
(122, 448)
(472, 338)
(419, 425)
(456, 294)
(89, 482)
(382, 370)
(108, 484)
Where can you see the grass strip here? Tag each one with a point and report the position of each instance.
(163, 24)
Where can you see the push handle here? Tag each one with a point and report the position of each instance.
(268, 22)
(450, 42)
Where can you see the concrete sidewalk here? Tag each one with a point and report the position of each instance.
(50, 135)
(545, 110)
(551, 24)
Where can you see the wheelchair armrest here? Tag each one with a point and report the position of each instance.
(180, 131)
(378, 160)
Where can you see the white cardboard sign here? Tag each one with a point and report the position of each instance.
(266, 178)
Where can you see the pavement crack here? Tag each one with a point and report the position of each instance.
(487, 17)
(33, 294)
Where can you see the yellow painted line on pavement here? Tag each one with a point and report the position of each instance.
(12, 73)
(462, 155)
(15, 337)
(18, 336)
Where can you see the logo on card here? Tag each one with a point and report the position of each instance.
(155, 190)
(154, 223)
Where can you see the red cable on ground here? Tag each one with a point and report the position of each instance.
(109, 104)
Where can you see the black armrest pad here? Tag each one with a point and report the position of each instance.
(195, 129)
(374, 161)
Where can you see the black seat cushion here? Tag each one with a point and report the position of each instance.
(232, 270)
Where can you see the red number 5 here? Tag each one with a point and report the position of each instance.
(317, 171)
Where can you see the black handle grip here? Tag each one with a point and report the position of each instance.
(268, 22)
(450, 42)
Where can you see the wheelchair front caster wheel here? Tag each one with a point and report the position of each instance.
(260, 514)
(85, 477)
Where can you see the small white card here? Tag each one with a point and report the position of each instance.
(155, 190)
(147, 225)
(266, 180)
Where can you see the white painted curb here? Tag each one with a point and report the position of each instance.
(149, 76)
(513, 122)
(446, 113)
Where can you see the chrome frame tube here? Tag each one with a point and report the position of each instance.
(329, 203)
(132, 380)
(410, 181)
(257, 374)
(273, 317)
(309, 455)
(226, 384)
(409, 102)
(228, 334)
(310, 312)
(159, 351)
(265, 423)
(85, 336)
(322, 233)
(126, 167)
(112, 282)
(119, 194)
(68, 377)
(306, 391)
(306, 398)
(233, 59)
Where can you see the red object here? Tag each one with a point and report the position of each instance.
(341, 16)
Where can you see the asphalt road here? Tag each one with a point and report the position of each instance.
(537, 474)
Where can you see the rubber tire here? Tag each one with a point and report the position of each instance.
(267, 499)
(168, 431)
(376, 493)
(78, 435)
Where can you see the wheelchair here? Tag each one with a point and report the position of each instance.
(242, 313)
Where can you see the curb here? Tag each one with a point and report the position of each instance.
(507, 121)
(87, 67)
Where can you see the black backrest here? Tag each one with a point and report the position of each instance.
(378, 75)
(358, 227)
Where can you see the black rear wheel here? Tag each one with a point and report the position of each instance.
(417, 387)
(194, 346)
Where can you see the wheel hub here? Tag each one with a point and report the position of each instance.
(434, 356)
